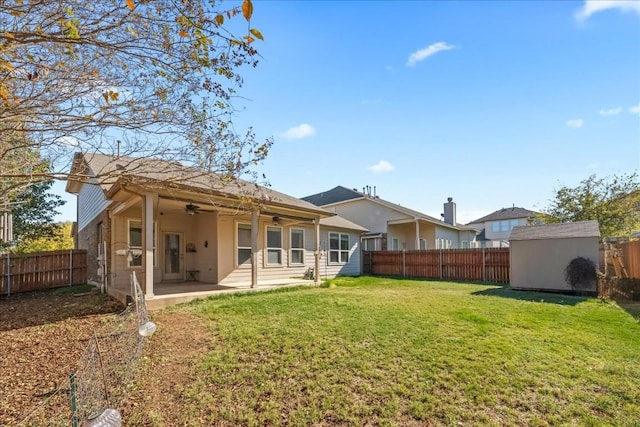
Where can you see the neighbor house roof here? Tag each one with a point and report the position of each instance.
(342, 194)
(506, 213)
(556, 231)
(112, 173)
(335, 195)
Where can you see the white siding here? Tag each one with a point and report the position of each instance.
(91, 202)
(230, 273)
(448, 234)
(368, 214)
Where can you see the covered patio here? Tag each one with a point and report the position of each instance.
(167, 294)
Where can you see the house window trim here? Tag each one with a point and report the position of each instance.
(292, 249)
(129, 247)
(340, 251)
(420, 245)
(100, 241)
(237, 247)
(395, 247)
(266, 262)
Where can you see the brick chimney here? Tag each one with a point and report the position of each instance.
(450, 211)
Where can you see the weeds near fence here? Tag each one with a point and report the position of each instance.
(103, 372)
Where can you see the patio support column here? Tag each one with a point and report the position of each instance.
(147, 243)
(417, 234)
(316, 252)
(254, 249)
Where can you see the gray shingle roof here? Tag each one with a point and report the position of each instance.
(335, 195)
(556, 231)
(506, 213)
(162, 175)
(339, 222)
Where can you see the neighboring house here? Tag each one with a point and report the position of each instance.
(176, 224)
(394, 227)
(496, 227)
(540, 254)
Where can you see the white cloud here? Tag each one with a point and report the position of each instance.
(382, 166)
(298, 132)
(611, 111)
(635, 109)
(422, 54)
(594, 6)
(575, 123)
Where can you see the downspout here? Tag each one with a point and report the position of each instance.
(254, 248)
(316, 252)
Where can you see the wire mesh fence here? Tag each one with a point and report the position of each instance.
(97, 387)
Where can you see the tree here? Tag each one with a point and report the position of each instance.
(613, 201)
(60, 238)
(149, 78)
(33, 212)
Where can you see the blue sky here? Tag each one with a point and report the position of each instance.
(491, 103)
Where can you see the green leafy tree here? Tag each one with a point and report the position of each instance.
(152, 78)
(59, 237)
(33, 212)
(613, 201)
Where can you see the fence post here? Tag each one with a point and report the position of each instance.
(70, 267)
(441, 266)
(8, 274)
(484, 271)
(404, 264)
(74, 406)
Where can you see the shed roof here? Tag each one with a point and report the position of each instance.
(556, 231)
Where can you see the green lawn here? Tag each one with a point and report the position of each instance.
(372, 351)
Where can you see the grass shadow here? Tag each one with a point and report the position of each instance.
(533, 296)
(631, 307)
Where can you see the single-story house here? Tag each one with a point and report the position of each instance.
(540, 255)
(183, 230)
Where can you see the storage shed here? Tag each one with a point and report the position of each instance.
(540, 255)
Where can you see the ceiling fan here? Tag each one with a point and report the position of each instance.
(192, 209)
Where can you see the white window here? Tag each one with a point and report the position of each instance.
(338, 248)
(296, 247)
(495, 226)
(243, 244)
(274, 246)
(465, 244)
(423, 244)
(369, 244)
(100, 239)
(395, 244)
(134, 240)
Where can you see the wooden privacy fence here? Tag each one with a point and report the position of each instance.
(42, 270)
(631, 258)
(487, 265)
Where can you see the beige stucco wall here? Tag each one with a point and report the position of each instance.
(540, 264)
